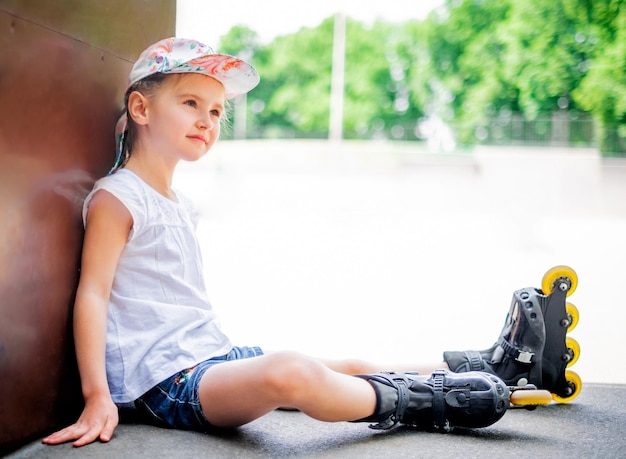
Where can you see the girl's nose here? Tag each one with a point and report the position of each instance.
(205, 123)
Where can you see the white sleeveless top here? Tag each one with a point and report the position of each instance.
(160, 320)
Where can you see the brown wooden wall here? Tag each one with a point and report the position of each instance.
(63, 69)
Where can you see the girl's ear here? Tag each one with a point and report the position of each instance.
(138, 107)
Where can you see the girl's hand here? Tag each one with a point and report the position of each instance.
(97, 422)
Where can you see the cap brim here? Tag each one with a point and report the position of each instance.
(237, 76)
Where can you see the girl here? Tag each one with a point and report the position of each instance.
(145, 332)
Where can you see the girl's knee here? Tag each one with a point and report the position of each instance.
(290, 374)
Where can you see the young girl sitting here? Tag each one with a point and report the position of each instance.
(145, 332)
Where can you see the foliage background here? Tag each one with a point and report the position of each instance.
(548, 71)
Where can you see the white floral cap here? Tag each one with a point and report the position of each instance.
(181, 55)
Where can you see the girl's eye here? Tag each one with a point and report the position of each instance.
(216, 113)
(191, 103)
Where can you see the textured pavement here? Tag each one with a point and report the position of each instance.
(590, 426)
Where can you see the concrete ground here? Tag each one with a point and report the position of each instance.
(590, 427)
(393, 253)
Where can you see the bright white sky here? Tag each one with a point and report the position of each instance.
(208, 20)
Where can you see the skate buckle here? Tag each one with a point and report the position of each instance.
(525, 357)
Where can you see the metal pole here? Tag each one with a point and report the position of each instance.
(240, 127)
(241, 117)
(335, 128)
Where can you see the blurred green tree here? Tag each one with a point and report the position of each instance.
(244, 42)
(535, 57)
(603, 91)
(547, 61)
(294, 97)
(239, 39)
(378, 100)
(295, 71)
(466, 47)
(471, 62)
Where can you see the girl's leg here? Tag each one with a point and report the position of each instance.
(359, 367)
(237, 392)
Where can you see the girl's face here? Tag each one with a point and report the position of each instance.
(184, 117)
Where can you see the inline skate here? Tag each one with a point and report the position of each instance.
(440, 401)
(444, 400)
(533, 347)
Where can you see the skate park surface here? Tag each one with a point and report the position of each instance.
(590, 427)
(393, 253)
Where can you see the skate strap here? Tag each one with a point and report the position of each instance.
(403, 398)
(516, 353)
(401, 386)
(475, 360)
(439, 401)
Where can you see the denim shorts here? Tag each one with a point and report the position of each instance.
(175, 402)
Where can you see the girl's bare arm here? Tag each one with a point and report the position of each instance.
(108, 226)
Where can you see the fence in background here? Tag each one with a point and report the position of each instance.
(562, 129)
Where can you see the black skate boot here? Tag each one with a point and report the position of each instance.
(532, 347)
(439, 401)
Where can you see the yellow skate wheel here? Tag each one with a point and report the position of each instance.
(573, 351)
(575, 384)
(530, 397)
(554, 274)
(572, 316)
